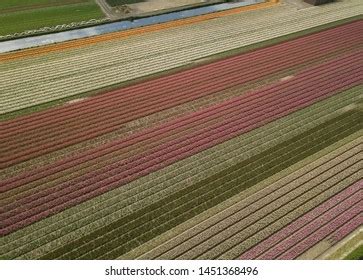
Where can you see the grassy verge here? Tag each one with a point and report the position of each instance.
(139, 227)
(357, 254)
(206, 60)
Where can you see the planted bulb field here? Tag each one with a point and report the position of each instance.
(21, 15)
(50, 78)
(253, 156)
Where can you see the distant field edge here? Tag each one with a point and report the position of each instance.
(206, 60)
(130, 32)
(48, 17)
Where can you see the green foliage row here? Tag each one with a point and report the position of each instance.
(129, 232)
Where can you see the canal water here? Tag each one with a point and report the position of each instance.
(41, 40)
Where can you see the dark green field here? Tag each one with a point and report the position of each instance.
(357, 254)
(20, 15)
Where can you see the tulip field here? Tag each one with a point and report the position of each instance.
(132, 148)
(47, 78)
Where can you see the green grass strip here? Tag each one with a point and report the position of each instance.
(357, 254)
(206, 60)
(129, 232)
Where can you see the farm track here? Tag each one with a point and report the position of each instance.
(158, 156)
(253, 160)
(76, 82)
